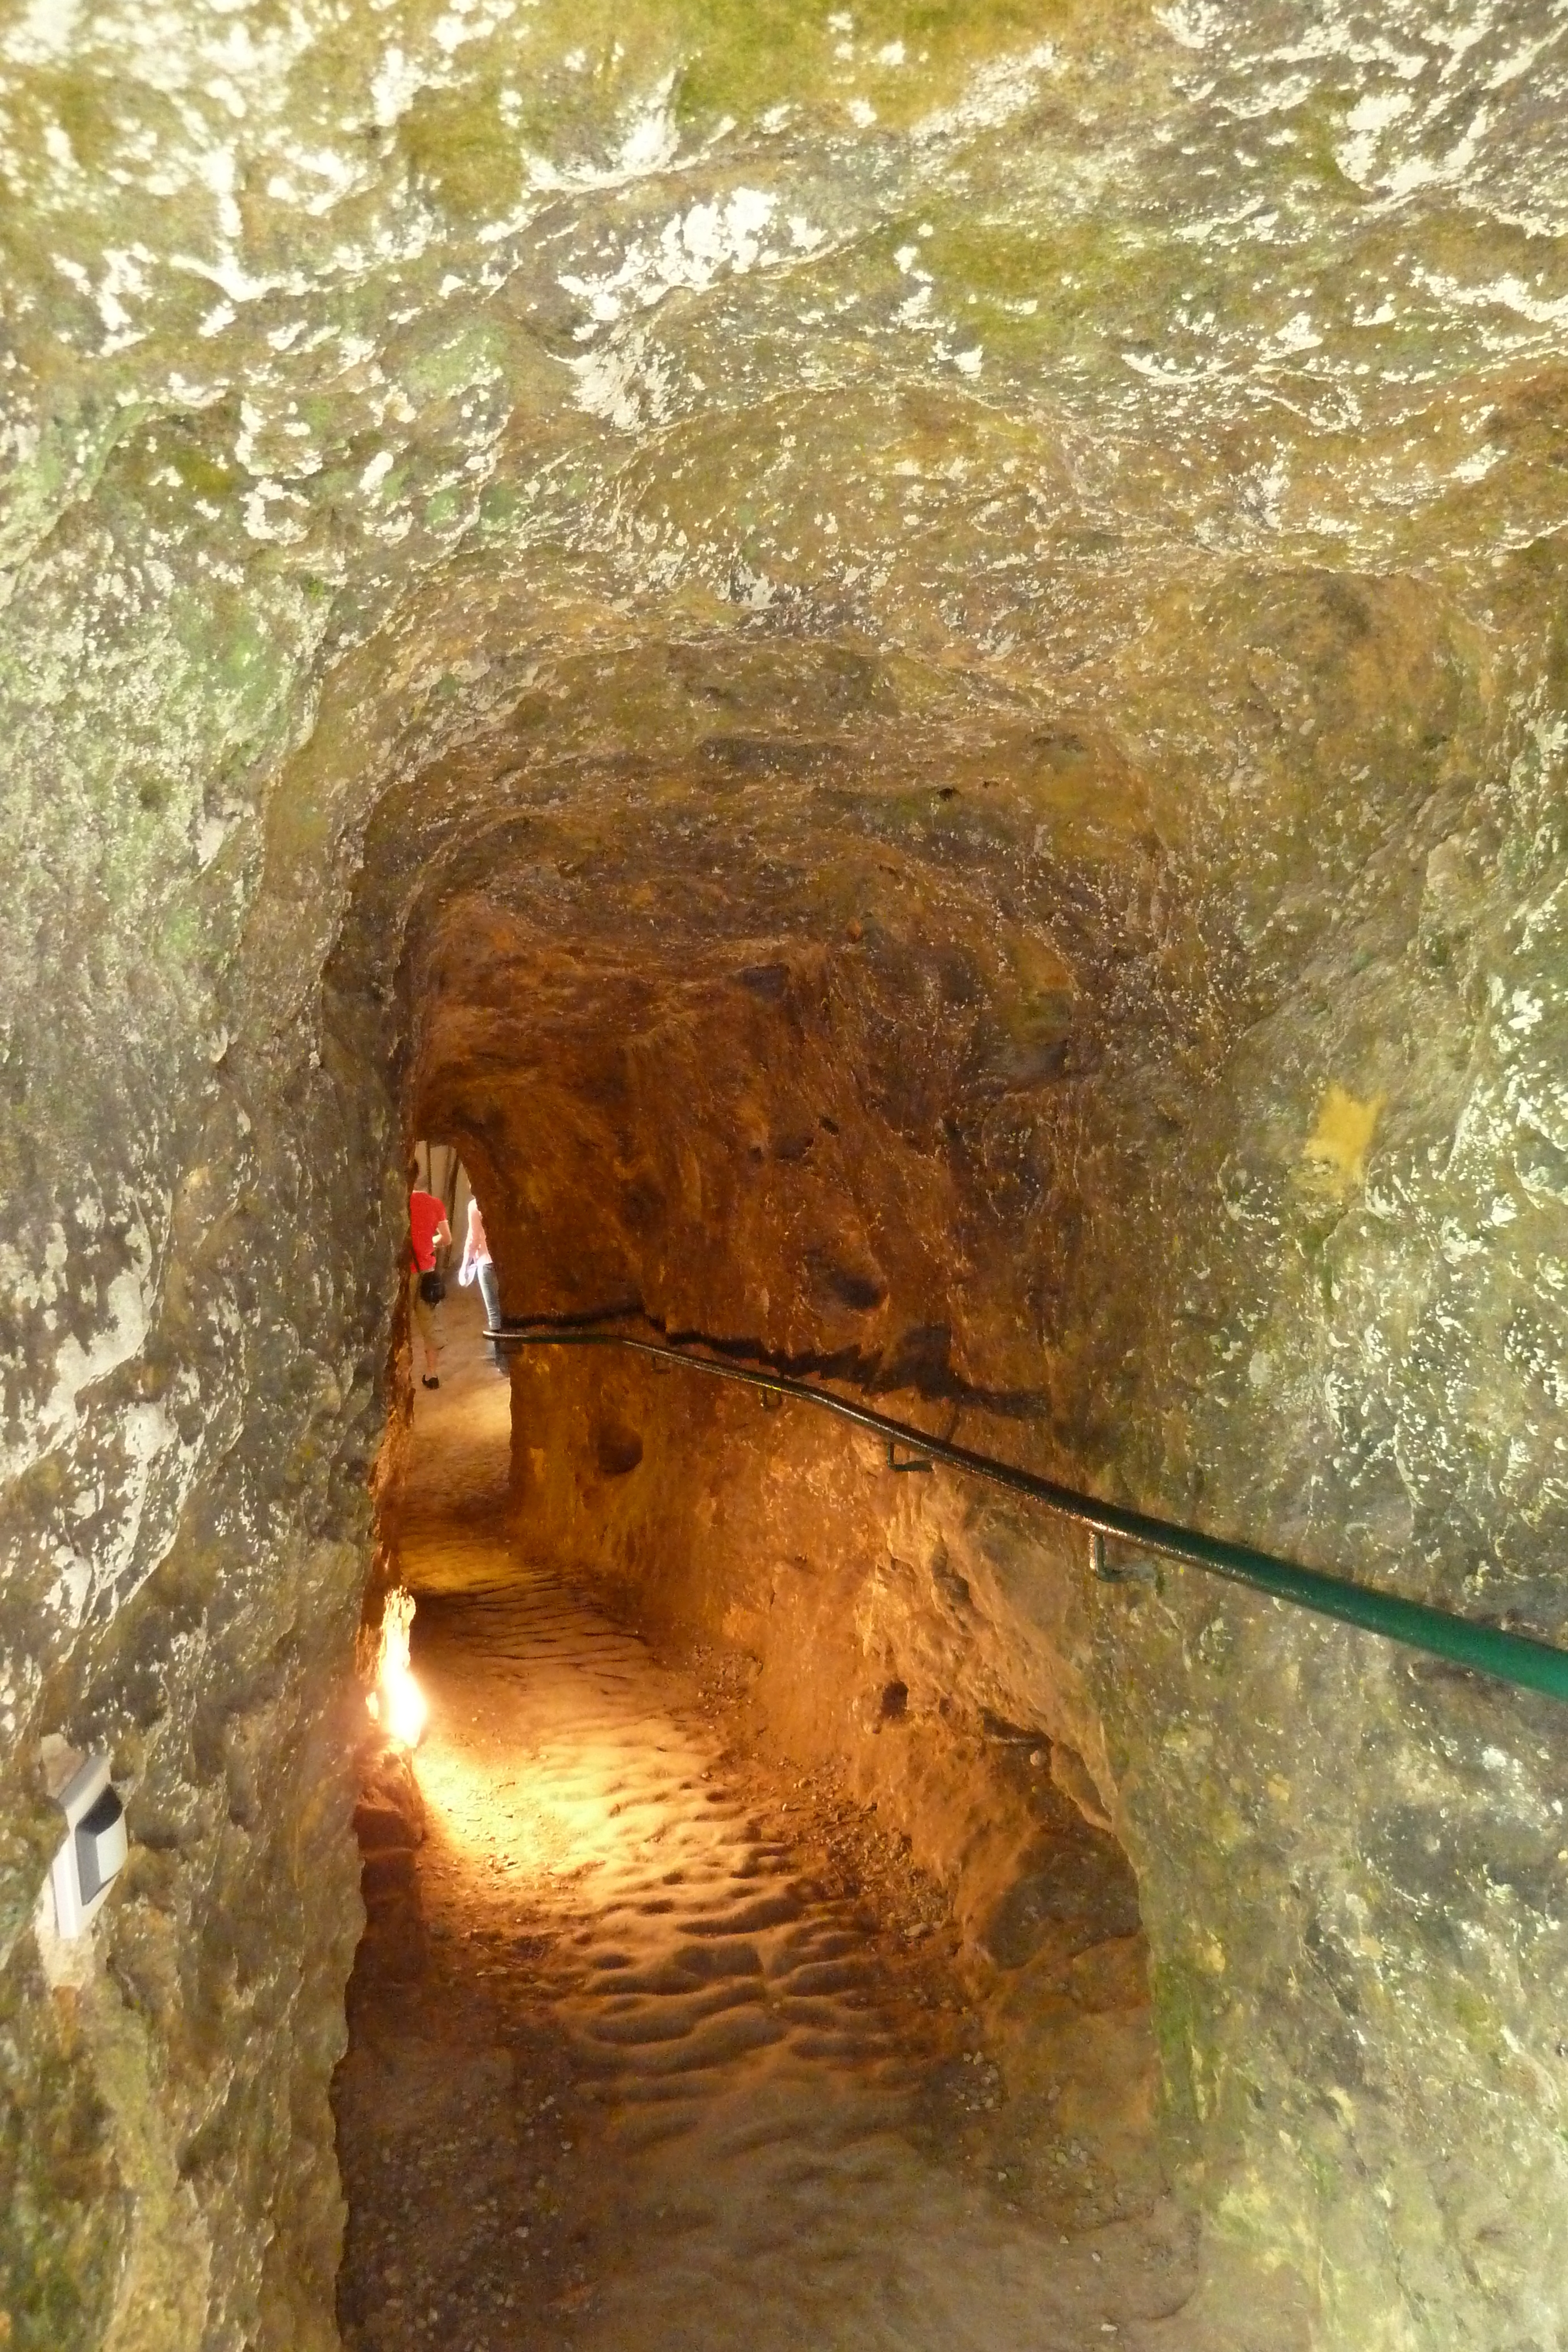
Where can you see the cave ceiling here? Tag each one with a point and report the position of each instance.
(664, 375)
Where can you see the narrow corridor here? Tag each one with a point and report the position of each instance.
(656, 2042)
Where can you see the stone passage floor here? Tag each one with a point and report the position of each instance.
(655, 2047)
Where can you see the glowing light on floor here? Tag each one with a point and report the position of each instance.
(560, 1821)
(397, 1702)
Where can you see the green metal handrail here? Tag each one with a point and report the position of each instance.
(1487, 1649)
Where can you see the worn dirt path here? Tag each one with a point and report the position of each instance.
(656, 2046)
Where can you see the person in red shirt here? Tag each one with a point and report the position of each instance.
(427, 1232)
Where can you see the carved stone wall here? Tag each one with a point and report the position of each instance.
(907, 667)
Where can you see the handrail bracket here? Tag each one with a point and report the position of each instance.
(914, 1463)
(1136, 1571)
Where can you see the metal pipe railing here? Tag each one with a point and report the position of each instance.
(1487, 1649)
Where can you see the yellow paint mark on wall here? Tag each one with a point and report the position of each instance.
(1335, 1151)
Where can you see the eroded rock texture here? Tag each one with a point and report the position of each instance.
(906, 663)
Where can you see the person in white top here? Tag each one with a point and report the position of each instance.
(478, 1265)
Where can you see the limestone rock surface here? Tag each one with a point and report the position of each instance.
(906, 663)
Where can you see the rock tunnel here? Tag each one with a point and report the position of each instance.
(903, 669)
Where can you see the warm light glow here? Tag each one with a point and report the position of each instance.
(566, 1819)
(397, 1700)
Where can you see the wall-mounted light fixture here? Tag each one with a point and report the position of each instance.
(95, 1847)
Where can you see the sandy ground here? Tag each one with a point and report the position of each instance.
(658, 2046)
